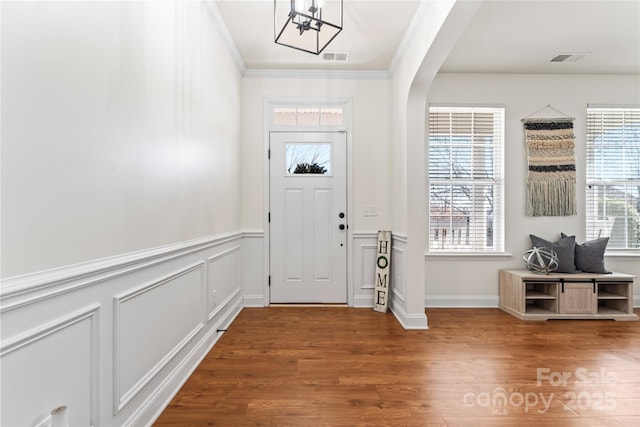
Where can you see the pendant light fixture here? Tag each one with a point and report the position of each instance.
(307, 25)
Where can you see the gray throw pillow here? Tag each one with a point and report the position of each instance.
(590, 256)
(564, 248)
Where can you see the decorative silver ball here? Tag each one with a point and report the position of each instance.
(541, 260)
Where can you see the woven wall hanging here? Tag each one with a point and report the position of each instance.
(551, 179)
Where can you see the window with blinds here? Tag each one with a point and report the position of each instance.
(466, 209)
(613, 176)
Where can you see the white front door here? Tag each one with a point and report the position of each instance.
(308, 217)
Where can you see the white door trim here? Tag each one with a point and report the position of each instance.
(269, 104)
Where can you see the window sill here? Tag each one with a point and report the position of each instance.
(622, 255)
(476, 256)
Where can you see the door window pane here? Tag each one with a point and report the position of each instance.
(308, 158)
(331, 117)
(284, 116)
(308, 116)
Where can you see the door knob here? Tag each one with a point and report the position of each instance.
(341, 226)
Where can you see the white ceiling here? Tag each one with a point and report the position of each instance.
(372, 31)
(505, 36)
(522, 36)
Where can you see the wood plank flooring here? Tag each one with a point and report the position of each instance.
(338, 366)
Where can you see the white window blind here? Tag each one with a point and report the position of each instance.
(613, 176)
(466, 212)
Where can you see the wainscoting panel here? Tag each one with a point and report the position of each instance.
(364, 268)
(151, 325)
(62, 360)
(114, 339)
(255, 291)
(224, 277)
(397, 270)
(397, 302)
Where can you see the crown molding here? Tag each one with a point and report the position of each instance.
(221, 26)
(409, 35)
(317, 74)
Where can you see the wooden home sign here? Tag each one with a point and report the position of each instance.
(383, 266)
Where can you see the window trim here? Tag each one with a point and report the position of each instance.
(611, 252)
(498, 179)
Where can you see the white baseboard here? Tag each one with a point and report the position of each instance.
(155, 404)
(363, 301)
(253, 301)
(461, 301)
(409, 321)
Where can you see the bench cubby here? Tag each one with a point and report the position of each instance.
(531, 296)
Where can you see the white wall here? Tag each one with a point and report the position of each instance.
(120, 130)
(370, 142)
(368, 169)
(439, 26)
(121, 242)
(521, 95)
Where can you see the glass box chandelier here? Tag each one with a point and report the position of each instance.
(307, 25)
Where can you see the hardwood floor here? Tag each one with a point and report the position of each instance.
(338, 366)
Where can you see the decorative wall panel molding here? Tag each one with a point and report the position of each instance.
(398, 268)
(364, 267)
(68, 374)
(163, 313)
(255, 290)
(154, 327)
(147, 412)
(30, 288)
(224, 276)
(397, 302)
(225, 304)
(367, 266)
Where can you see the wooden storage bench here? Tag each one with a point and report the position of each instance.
(531, 296)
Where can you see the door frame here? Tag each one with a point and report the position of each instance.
(269, 104)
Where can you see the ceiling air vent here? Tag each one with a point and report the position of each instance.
(335, 56)
(569, 57)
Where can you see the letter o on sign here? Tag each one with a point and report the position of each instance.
(382, 262)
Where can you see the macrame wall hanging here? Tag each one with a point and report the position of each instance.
(551, 179)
